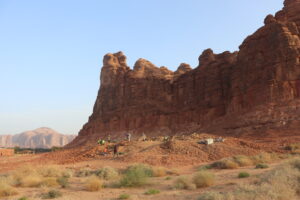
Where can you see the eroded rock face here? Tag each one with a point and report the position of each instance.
(265, 71)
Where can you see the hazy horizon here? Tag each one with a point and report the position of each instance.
(51, 51)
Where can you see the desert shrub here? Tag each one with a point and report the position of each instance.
(49, 182)
(107, 173)
(6, 190)
(293, 147)
(93, 184)
(23, 198)
(50, 171)
(278, 184)
(261, 166)
(243, 161)
(205, 167)
(152, 192)
(67, 173)
(159, 171)
(203, 179)
(136, 175)
(296, 163)
(211, 196)
(84, 172)
(124, 196)
(32, 180)
(263, 158)
(141, 167)
(243, 175)
(183, 183)
(52, 194)
(225, 164)
(63, 182)
(168, 178)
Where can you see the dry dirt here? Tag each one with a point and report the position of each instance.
(183, 153)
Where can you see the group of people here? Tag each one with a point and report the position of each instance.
(102, 142)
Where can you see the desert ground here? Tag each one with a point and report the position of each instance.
(85, 173)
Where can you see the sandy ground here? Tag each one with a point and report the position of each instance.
(183, 155)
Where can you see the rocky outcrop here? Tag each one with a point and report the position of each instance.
(38, 138)
(264, 73)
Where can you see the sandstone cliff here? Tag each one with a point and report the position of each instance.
(257, 87)
(38, 138)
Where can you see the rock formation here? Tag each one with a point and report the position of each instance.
(257, 87)
(38, 138)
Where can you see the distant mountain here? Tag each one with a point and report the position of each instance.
(38, 138)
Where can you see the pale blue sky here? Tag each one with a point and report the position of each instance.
(51, 50)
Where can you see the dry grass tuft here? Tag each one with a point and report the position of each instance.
(93, 184)
(107, 173)
(159, 171)
(49, 182)
(278, 184)
(225, 164)
(6, 190)
(243, 161)
(184, 182)
(203, 179)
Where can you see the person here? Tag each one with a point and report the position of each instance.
(108, 138)
(144, 137)
(128, 135)
(116, 150)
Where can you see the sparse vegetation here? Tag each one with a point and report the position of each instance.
(63, 181)
(159, 171)
(225, 164)
(49, 182)
(23, 198)
(243, 161)
(124, 196)
(84, 172)
(152, 192)
(205, 167)
(6, 190)
(93, 184)
(278, 184)
(184, 182)
(203, 179)
(107, 173)
(293, 147)
(136, 175)
(52, 194)
(261, 166)
(243, 175)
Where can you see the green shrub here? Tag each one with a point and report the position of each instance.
(84, 173)
(243, 175)
(184, 183)
(168, 178)
(225, 164)
(136, 175)
(152, 191)
(23, 198)
(124, 196)
(107, 173)
(261, 166)
(141, 167)
(52, 194)
(203, 179)
(205, 167)
(63, 182)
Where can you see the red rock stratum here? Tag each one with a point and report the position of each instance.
(251, 91)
